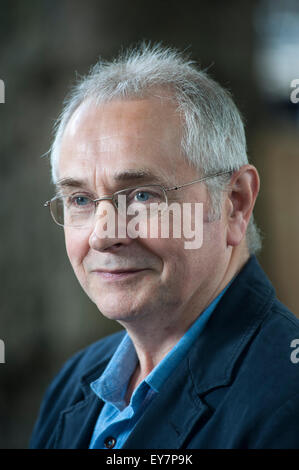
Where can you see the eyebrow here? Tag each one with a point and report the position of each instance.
(137, 174)
(120, 176)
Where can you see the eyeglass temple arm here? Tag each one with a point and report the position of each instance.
(200, 179)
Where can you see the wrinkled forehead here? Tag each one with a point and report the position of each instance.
(123, 134)
(154, 116)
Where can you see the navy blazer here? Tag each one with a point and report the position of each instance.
(237, 388)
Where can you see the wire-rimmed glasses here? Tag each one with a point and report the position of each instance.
(78, 210)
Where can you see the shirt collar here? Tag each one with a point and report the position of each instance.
(111, 386)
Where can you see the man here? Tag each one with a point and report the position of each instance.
(205, 358)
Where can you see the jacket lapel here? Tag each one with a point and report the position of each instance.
(76, 423)
(170, 416)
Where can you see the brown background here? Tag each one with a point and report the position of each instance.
(45, 317)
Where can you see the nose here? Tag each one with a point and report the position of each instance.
(109, 231)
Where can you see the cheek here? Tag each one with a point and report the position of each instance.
(77, 246)
(173, 258)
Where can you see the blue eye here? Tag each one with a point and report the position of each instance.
(142, 196)
(80, 201)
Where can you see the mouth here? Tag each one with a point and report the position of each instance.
(118, 274)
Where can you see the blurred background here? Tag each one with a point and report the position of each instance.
(250, 47)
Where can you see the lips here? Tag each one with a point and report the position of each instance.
(117, 274)
(118, 271)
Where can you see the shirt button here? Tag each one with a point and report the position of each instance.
(109, 442)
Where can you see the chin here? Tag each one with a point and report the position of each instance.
(116, 307)
(120, 315)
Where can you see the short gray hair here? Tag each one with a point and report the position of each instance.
(213, 130)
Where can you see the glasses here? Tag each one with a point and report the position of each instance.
(79, 210)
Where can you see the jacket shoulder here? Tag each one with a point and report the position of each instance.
(281, 310)
(273, 369)
(268, 360)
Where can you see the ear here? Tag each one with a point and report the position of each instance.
(240, 200)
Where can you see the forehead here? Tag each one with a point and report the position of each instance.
(122, 135)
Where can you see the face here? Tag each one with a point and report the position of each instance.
(130, 143)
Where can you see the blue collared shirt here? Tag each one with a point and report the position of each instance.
(117, 419)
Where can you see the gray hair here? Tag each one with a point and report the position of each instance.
(213, 131)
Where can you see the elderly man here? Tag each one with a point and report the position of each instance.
(205, 358)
